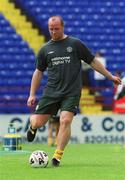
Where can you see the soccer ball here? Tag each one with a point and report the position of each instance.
(38, 159)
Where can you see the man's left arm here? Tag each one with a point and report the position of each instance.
(96, 65)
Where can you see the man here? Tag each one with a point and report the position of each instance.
(61, 56)
(53, 129)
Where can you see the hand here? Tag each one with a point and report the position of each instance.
(116, 80)
(31, 101)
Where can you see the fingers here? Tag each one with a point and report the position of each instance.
(117, 80)
(30, 103)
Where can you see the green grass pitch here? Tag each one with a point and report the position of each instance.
(80, 162)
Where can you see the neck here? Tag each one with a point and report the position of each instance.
(63, 37)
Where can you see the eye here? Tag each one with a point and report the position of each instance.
(54, 29)
(51, 29)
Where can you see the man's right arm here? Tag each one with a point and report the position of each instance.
(35, 83)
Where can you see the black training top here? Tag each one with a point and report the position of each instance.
(63, 62)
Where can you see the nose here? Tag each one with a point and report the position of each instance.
(54, 31)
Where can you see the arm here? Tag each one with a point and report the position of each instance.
(36, 79)
(96, 65)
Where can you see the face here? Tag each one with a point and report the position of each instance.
(56, 29)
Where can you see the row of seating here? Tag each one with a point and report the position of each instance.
(102, 21)
(16, 66)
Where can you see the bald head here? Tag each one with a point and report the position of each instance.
(56, 27)
(56, 19)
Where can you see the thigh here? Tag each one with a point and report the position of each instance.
(38, 120)
(66, 116)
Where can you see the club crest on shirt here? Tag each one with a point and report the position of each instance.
(69, 49)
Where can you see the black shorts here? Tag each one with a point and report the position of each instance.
(48, 105)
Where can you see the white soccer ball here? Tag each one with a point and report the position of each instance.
(38, 159)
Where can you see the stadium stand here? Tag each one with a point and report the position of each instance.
(100, 25)
(22, 26)
(16, 68)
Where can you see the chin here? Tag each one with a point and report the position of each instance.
(56, 39)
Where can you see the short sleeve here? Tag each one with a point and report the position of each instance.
(84, 53)
(41, 61)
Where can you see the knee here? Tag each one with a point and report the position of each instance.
(33, 122)
(65, 121)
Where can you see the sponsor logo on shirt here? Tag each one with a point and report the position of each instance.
(60, 60)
